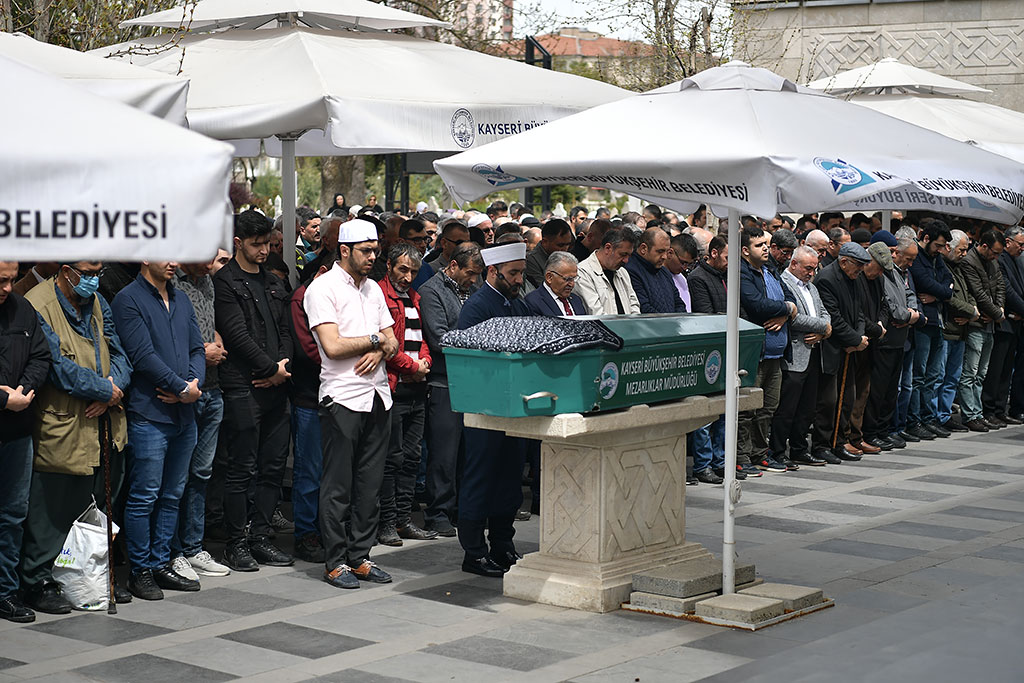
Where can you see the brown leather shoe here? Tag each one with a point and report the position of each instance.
(867, 448)
(852, 450)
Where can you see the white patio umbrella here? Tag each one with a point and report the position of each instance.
(318, 92)
(209, 15)
(749, 141)
(150, 91)
(888, 75)
(82, 177)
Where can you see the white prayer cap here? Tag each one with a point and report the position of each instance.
(354, 210)
(421, 207)
(504, 253)
(357, 230)
(478, 219)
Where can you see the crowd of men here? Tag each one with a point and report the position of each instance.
(193, 385)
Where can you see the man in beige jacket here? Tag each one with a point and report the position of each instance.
(603, 283)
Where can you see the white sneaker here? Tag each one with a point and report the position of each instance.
(182, 567)
(204, 564)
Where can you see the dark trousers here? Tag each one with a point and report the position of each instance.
(55, 501)
(755, 425)
(1017, 384)
(446, 448)
(886, 368)
(408, 416)
(824, 430)
(793, 417)
(491, 491)
(355, 448)
(256, 432)
(15, 483)
(995, 392)
(860, 365)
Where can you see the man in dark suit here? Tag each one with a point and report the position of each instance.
(996, 388)
(554, 297)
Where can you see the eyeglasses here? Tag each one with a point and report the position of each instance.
(570, 279)
(93, 273)
(366, 251)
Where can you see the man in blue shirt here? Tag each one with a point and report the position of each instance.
(763, 301)
(158, 327)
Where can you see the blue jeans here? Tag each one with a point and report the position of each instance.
(160, 458)
(188, 537)
(899, 419)
(929, 364)
(947, 391)
(306, 469)
(709, 446)
(977, 350)
(15, 478)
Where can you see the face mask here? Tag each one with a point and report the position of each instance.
(87, 285)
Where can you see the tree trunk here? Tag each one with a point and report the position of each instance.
(6, 17)
(346, 175)
(41, 28)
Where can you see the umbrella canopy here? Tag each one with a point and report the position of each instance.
(346, 92)
(744, 138)
(150, 91)
(753, 142)
(890, 75)
(108, 182)
(208, 15)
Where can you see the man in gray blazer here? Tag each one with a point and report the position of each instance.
(812, 325)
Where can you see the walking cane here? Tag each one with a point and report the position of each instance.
(105, 444)
(839, 404)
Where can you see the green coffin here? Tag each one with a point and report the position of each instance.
(664, 358)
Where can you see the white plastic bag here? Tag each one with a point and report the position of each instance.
(81, 567)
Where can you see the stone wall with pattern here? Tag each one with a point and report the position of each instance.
(978, 41)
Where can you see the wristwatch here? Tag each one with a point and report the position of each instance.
(184, 392)
(375, 342)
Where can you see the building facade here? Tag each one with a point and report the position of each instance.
(977, 41)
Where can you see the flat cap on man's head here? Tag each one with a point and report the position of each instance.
(885, 237)
(855, 251)
(881, 254)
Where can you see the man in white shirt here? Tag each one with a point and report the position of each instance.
(349, 319)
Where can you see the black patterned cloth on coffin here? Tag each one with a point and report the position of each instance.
(552, 336)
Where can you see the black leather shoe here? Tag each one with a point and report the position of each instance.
(993, 422)
(239, 559)
(921, 432)
(1018, 416)
(265, 552)
(938, 430)
(1010, 419)
(706, 476)
(846, 455)
(387, 534)
(122, 596)
(955, 425)
(505, 559)
(413, 533)
(482, 566)
(977, 425)
(808, 459)
(143, 585)
(47, 597)
(168, 579)
(12, 609)
(897, 440)
(310, 549)
(444, 528)
(880, 442)
(789, 464)
(910, 438)
(829, 457)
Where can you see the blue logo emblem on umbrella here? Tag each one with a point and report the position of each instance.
(844, 176)
(496, 176)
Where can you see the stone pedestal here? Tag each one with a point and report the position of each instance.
(613, 494)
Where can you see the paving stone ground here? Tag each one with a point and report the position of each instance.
(922, 549)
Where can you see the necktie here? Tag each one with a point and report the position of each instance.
(566, 306)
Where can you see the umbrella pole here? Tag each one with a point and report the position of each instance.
(289, 193)
(732, 384)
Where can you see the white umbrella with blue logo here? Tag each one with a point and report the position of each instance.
(748, 141)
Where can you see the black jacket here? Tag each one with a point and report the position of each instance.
(840, 296)
(243, 328)
(707, 289)
(871, 293)
(1013, 276)
(24, 360)
(985, 283)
